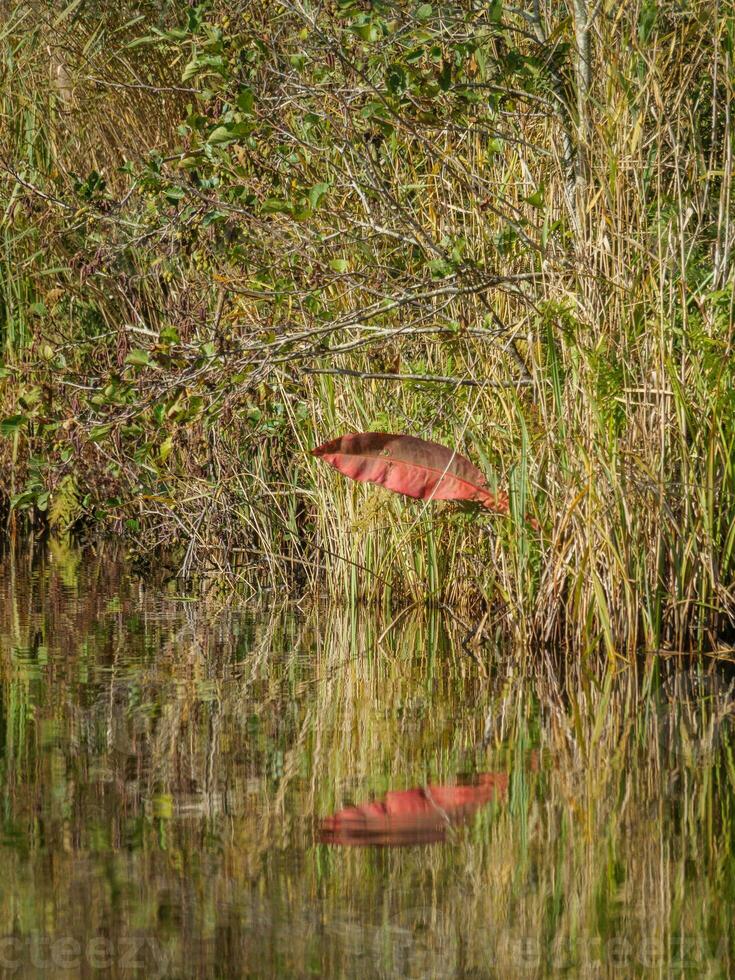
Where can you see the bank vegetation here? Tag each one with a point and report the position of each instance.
(232, 231)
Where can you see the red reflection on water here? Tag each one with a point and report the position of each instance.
(413, 816)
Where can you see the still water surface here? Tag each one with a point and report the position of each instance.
(207, 788)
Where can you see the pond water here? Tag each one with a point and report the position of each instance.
(201, 787)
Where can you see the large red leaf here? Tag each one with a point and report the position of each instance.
(416, 467)
(412, 816)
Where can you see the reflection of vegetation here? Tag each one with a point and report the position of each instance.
(227, 238)
(165, 766)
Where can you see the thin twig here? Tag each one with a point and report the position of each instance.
(433, 378)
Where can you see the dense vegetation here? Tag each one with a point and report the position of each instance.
(232, 231)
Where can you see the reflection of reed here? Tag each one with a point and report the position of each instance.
(163, 764)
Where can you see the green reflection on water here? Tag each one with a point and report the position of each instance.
(165, 766)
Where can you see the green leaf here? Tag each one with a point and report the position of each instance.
(22, 500)
(396, 79)
(440, 268)
(373, 109)
(366, 32)
(445, 76)
(245, 100)
(140, 358)
(339, 265)
(165, 450)
(12, 424)
(215, 63)
(221, 135)
(273, 205)
(536, 199)
(495, 11)
(169, 335)
(317, 193)
(98, 432)
(424, 11)
(211, 217)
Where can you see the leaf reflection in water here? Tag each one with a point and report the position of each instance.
(421, 815)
